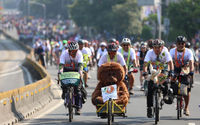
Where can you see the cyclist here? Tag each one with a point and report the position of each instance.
(72, 60)
(112, 56)
(182, 55)
(101, 51)
(140, 58)
(157, 54)
(188, 45)
(130, 58)
(86, 59)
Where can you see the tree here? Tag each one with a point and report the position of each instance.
(184, 17)
(114, 16)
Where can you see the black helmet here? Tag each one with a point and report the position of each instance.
(158, 42)
(169, 98)
(80, 41)
(112, 40)
(188, 44)
(112, 47)
(181, 39)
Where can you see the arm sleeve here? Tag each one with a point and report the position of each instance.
(62, 58)
(147, 57)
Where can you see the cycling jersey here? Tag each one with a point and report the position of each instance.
(68, 61)
(164, 57)
(179, 59)
(100, 52)
(118, 58)
(128, 56)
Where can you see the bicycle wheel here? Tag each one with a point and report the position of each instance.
(156, 107)
(179, 107)
(70, 105)
(110, 119)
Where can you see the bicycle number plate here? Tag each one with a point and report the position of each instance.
(109, 92)
(72, 78)
(67, 75)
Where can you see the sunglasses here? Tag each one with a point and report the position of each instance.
(73, 51)
(126, 45)
(112, 52)
(180, 43)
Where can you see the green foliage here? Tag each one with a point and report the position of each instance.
(146, 32)
(114, 16)
(184, 17)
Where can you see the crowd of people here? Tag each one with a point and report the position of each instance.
(54, 45)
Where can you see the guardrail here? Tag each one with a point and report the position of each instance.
(19, 103)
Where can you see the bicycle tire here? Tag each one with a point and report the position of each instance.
(70, 105)
(156, 110)
(178, 108)
(110, 112)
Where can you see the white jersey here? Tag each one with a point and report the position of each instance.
(100, 53)
(88, 51)
(187, 56)
(125, 54)
(65, 58)
(119, 59)
(164, 56)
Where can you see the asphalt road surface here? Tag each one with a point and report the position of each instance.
(55, 113)
(12, 73)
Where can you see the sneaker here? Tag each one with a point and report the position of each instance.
(131, 92)
(142, 88)
(77, 112)
(186, 112)
(149, 112)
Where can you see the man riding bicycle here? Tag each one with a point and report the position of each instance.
(112, 56)
(72, 60)
(181, 56)
(156, 55)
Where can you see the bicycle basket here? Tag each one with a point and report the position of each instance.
(183, 90)
(70, 78)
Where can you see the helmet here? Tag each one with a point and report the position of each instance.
(126, 41)
(64, 41)
(103, 44)
(181, 39)
(169, 97)
(187, 45)
(158, 42)
(73, 45)
(112, 47)
(143, 44)
(81, 41)
(112, 40)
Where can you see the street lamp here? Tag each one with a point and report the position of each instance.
(40, 4)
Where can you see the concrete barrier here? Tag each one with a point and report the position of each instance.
(20, 103)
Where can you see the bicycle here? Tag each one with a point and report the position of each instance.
(69, 80)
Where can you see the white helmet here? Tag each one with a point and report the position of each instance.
(103, 44)
(126, 41)
(73, 45)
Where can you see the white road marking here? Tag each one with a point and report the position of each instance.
(11, 73)
(10, 69)
(191, 123)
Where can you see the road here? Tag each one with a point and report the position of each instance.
(55, 113)
(12, 73)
